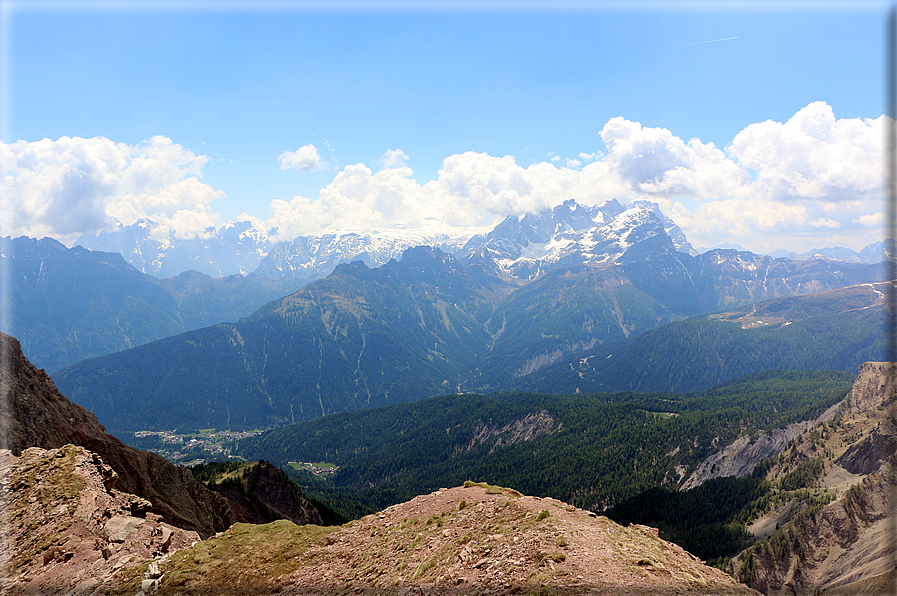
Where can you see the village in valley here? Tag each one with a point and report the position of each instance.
(192, 447)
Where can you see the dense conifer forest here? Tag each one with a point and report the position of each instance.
(627, 451)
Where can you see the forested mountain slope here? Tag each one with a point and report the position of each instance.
(360, 338)
(589, 450)
(839, 329)
(431, 325)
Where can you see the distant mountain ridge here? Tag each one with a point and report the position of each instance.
(873, 253)
(309, 258)
(233, 248)
(574, 235)
(562, 234)
(70, 304)
(431, 324)
(242, 248)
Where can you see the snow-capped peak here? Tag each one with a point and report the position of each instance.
(572, 234)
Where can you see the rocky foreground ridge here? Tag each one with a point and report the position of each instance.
(481, 539)
(476, 539)
(68, 530)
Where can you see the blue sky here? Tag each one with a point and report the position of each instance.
(231, 88)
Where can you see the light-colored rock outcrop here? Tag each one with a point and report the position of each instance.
(848, 546)
(740, 457)
(875, 381)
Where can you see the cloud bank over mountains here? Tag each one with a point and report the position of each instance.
(814, 178)
(72, 185)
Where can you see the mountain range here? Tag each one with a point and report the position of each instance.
(243, 247)
(66, 305)
(231, 249)
(818, 508)
(873, 253)
(526, 295)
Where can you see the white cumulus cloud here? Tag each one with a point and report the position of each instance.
(471, 189)
(655, 162)
(871, 220)
(825, 222)
(304, 158)
(814, 156)
(393, 158)
(357, 199)
(814, 178)
(70, 186)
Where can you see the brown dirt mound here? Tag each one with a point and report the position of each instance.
(480, 539)
(477, 539)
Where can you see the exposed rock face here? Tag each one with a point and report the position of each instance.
(849, 545)
(528, 428)
(867, 456)
(66, 531)
(33, 413)
(873, 388)
(741, 456)
(849, 541)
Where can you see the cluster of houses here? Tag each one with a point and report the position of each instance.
(184, 448)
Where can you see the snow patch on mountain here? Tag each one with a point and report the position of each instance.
(234, 248)
(312, 257)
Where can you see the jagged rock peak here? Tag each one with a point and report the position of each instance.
(577, 235)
